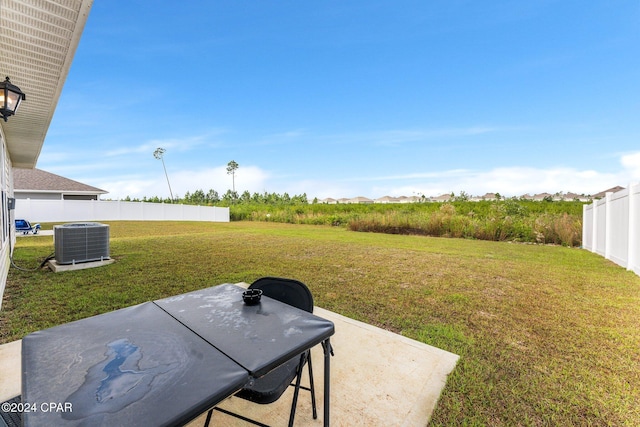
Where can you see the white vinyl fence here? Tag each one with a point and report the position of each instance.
(103, 210)
(610, 227)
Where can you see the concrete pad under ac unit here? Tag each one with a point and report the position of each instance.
(57, 268)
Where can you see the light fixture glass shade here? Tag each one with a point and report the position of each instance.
(10, 98)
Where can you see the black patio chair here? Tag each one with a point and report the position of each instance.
(270, 387)
(11, 418)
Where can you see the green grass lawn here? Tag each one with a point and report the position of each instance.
(547, 335)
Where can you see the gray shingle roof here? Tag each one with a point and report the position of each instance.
(39, 180)
(603, 194)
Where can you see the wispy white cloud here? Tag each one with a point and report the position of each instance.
(631, 164)
(415, 176)
(248, 178)
(297, 133)
(179, 144)
(119, 189)
(142, 148)
(396, 137)
(508, 181)
(382, 138)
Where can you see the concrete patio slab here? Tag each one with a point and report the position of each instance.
(378, 378)
(10, 367)
(58, 268)
(40, 233)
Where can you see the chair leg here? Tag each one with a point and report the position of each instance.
(249, 420)
(303, 356)
(313, 389)
(295, 393)
(208, 420)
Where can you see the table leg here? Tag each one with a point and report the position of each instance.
(326, 345)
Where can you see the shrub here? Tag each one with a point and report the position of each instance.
(508, 220)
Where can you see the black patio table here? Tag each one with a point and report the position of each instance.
(163, 362)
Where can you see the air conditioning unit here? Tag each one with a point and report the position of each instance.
(81, 242)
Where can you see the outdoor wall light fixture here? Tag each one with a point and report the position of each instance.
(10, 98)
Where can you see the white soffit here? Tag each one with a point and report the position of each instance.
(38, 39)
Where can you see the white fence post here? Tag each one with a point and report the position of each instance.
(614, 223)
(607, 226)
(634, 239)
(596, 218)
(587, 216)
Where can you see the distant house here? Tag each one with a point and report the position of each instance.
(486, 197)
(361, 200)
(602, 194)
(543, 196)
(575, 197)
(386, 199)
(410, 199)
(42, 185)
(443, 198)
(490, 196)
(329, 201)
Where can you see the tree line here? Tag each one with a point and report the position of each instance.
(213, 198)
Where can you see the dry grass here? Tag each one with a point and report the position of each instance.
(547, 335)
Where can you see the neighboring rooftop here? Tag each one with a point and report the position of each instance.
(39, 184)
(488, 196)
(602, 194)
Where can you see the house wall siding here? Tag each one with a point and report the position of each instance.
(38, 195)
(7, 232)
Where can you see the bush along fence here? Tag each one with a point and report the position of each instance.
(611, 227)
(506, 220)
(498, 225)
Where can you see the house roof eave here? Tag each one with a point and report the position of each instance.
(24, 35)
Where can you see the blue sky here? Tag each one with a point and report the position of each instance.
(352, 98)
